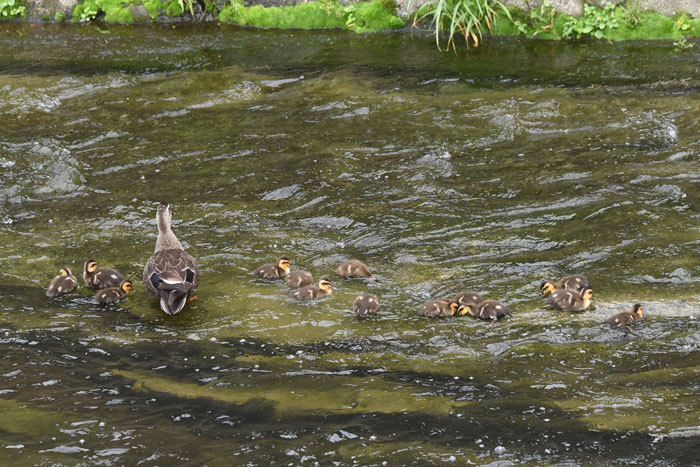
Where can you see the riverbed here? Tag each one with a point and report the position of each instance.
(491, 170)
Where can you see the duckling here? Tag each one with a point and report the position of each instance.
(441, 309)
(574, 282)
(488, 309)
(365, 305)
(63, 283)
(170, 274)
(570, 300)
(114, 294)
(298, 278)
(468, 298)
(273, 271)
(325, 287)
(353, 268)
(624, 319)
(100, 278)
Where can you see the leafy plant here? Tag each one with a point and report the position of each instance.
(89, 12)
(681, 24)
(349, 12)
(594, 22)
(186, 5)
(59, 16)
(542, 18)
(10, 8)
(468, 18)
(631, 12)
(682, 44)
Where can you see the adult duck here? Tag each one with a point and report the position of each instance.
(171, 274)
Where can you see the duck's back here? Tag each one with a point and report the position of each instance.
(171, 265)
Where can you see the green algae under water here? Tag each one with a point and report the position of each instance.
(489, 170)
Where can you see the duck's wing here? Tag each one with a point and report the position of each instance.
(171, 275)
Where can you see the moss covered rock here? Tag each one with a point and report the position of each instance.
(358, 17)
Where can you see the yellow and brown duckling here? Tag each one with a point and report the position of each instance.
(468, 298)
(100, 278)
(571, 300)
(353, 268)
(488, 309)
(298, 278)
(272, 270)
(441, 309)
(365, 305)
(574, 282)
(310, 292)
(624, 319)
(114, 294)
(63, 283)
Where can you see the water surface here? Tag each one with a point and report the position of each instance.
(489, 170)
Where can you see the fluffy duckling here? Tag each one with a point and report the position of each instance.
(441, 309)
(114, 294)
(468, 298)
(574, 282)
(624, 319)
(488, 309)
(570, 300)
(272, 270)
(310, 292)
(63, 283)
(170, 274)
(365, 305)
(353, 268)
(298, 278)
(100, 278)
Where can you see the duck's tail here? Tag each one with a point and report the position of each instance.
(173, 293)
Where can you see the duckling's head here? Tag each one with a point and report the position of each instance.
(65, 272)
(456, 308)
(587, 293)
(284, 263)
(466, 310)
(637, 310)
(546, 287)
(325, 284)
(164, 217)
(90, 266)
(127, 286)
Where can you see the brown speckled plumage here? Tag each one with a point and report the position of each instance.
(353, 268)
(576, 282)
(468, 298)
(439, 308)
(298, 278)
(624, 319)
(570, 300)
(170, 274)
(311, 292)
(365, 305)
(114, 294)
(62, 284)
(99, 277)
(490, 310)
(272, 270)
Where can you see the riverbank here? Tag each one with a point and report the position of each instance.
(554, 19)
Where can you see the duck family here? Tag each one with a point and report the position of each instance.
(172, 275)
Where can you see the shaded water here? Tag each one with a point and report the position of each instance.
(522, 161)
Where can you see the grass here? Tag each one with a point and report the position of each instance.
(467, 18)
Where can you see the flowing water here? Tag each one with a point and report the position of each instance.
(490, 170)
